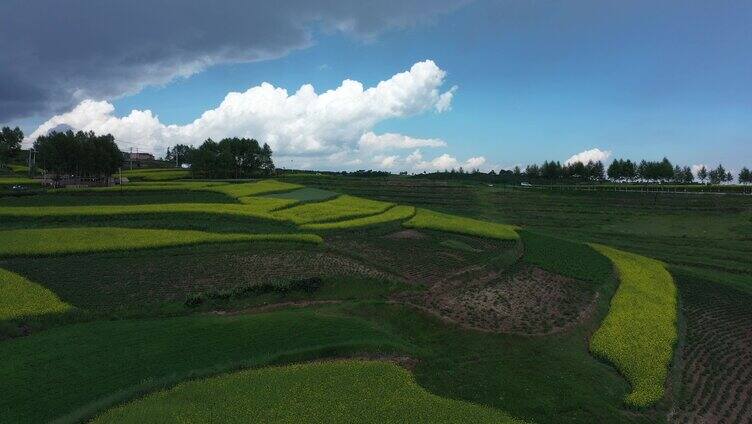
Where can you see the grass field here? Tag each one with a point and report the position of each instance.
(52, 241)
(158, 174)
(640, 331)
(337, 392)
(143, 355)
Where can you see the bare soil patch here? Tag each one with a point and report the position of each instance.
(528, 301)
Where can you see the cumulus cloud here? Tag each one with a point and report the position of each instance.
(334, 127)
(594, 155)
(56, 54)
(447, 162)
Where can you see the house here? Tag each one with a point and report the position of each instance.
(139, 157)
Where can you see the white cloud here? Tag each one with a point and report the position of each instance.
(475, 162)
(594, 155)
(332, 127)
(371, 141)
(448, 162)
(414, 157)
(388, 162)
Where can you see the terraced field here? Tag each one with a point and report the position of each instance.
(464, 310)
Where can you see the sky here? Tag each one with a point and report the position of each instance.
(411, 85)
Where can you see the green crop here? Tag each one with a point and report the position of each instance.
(393, 214)
(639, 332)
(342, 207)
(254, 188)
(568, 258)
(20, 298)
(431, 220)
(50, 241)
(333, 392)
(76, 371)
(250, 208)
(305, 194)
(159, 174)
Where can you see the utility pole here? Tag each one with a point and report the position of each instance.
(31, 162)
(120, 178)
(130, 158)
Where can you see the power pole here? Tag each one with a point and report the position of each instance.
(31, 152)
(130, 158)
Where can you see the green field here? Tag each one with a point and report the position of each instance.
(455, 224)
(364, 392)
(168, 300)
(52, 241)
(640, 330)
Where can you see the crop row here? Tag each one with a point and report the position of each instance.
(395, 213)
(639, 333)
(20, 298)
(431, 220)
(342, 207)
(51, 241)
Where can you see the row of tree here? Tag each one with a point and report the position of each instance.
(229, 158)
(663, 172)
(80, 154)
(550, 170)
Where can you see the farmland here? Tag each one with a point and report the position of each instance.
(470, 302)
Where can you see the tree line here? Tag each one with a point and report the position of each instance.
(229, 158)
(620, 170)
(80, 154)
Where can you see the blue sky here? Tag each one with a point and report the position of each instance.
(535, 80)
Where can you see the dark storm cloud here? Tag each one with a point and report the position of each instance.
(54, 53)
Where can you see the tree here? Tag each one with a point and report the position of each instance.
(551, 170)
(616, 170)
(232, 158)
(687, 177)
(718, 175)
(702, 174)
(179, 154)
(532, 171)
(517, 172)
(745, 177)
(10, 144)
(729, 177)
(595, 171)
(83, 154)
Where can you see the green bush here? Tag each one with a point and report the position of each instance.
(639, 333)
(333, 392)
(431, 220)
(306, 285)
